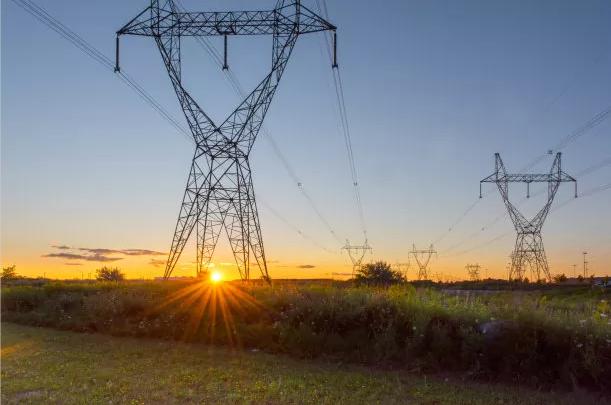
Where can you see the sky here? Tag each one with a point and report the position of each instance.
(93, 176)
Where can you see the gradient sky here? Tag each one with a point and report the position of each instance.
(433, 89)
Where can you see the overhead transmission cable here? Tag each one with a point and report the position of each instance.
(341, 101)
(586, 193)
(564, 142)
(53, 23)
(584, 172)
(43, 16)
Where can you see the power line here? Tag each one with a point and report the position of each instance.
(587, 193)
(564, 142)
(51, 22)
(341, 100)
(584, 172)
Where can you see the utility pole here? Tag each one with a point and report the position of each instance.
(219, 192)
(423, 257)
(585, 265)
(529, 250)
(574, 270)
(356, 254)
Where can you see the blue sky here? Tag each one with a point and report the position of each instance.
(433, 89)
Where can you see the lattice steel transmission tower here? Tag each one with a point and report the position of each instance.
(219, 192)
(528, 249)
(473, 271)
(357, 254)
(423, 258)
(402, 268)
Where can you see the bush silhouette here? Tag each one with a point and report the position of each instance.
(378, 274)
(108, 274)
(9, 273)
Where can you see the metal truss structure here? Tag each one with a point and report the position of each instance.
(357, 254)
(529, 250)
(219, 192)
(423, 258)
(473, 271)
(402, 268)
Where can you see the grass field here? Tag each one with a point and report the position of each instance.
(41, 365)
(548, 340)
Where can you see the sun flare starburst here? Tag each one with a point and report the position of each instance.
(216, 277)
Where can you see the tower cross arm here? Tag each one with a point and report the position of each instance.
(293, 18)
(528, 178)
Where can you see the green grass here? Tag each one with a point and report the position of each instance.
(47, 366)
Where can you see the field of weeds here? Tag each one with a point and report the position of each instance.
(545, 339)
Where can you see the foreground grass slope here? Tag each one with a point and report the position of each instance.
(47, 366)
(549, 341)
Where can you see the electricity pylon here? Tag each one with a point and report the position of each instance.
(423, 257)
(473, 271)
(403, 268)
(219, 192)
(528, 249)
(357, 254)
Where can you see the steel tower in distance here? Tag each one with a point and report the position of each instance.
(528, 251)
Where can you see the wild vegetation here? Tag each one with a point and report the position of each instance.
(546, 339)
(45, 366)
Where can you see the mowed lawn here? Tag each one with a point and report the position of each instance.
(48, 366)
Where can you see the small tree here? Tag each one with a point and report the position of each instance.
(560, 278)
(108, 274)
(9, 273)
(378, 274)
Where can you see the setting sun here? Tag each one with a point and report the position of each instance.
(216, 276)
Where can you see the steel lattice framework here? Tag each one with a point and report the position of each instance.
(219, 192)
(529, 250)
(357, 254)
(473, 271)
(423, 258)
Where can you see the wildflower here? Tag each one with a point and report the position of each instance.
(579, 345)
(413, 328)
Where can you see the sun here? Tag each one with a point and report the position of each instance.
(216, 277)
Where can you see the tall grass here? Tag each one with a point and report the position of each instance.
(543, 339)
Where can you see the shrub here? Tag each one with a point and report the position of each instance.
(378, 274)
(108, 274)
(9, 273)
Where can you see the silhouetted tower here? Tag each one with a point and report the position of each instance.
(357, 254)
(585, 265)
(423, 258)
(528, 249)
(219, 192)
(473, 271)
(402, 268)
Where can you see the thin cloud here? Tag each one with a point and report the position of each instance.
(127, 252)
(157, 262)
(75, 256)
(73, 264)
(306, 266)
(61, 247)
(142, 252)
